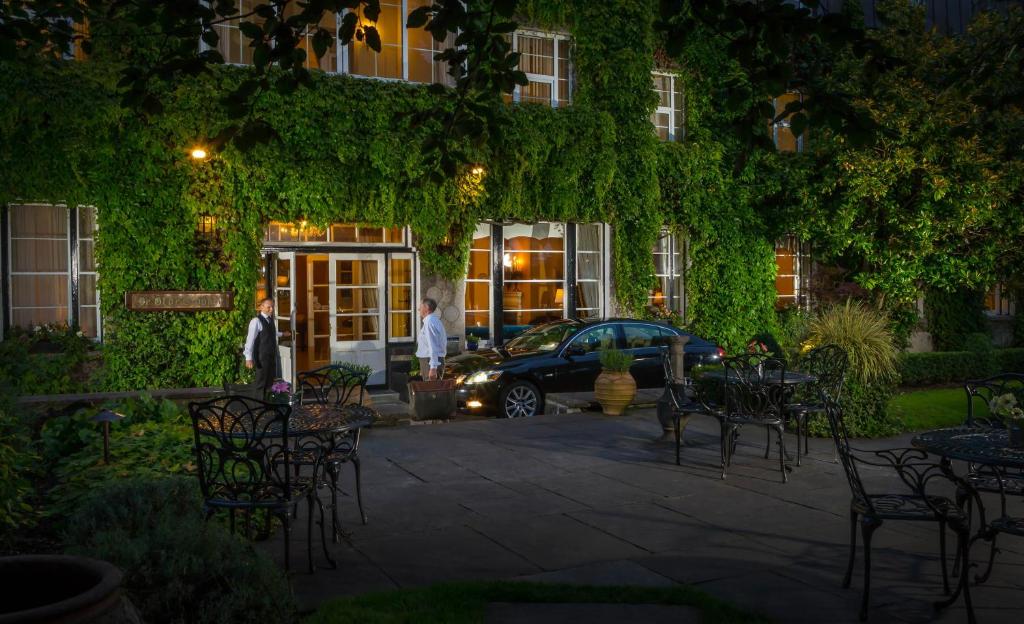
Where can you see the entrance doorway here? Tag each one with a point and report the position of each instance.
(335, 307)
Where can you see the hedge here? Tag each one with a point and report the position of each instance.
(921, 369)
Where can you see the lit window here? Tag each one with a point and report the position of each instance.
(544, 58)
(589, 270)
(534, 275)
(478, 284)
(793, 263)
(342, 233)
(400, 303)
(671, 262)
(669, 117)
(782, 135)
(999, 302)
(45, 284)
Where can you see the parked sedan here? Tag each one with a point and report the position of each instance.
(563, 356)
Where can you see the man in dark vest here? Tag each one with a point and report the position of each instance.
(261, 348)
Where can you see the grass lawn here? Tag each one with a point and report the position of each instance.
(919, 410)
(457, 603)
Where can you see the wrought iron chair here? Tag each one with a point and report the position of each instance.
(243, 453)
(752, 399)
(828, 364)
(990, 479)
(334, 384)
(685, 401)
(916, 504)
(338, 385)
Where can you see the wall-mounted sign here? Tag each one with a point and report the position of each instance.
(178, 300)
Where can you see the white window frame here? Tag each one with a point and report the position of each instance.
(564, 281)
(673, 110)
(341, 51)
(552, 81)
(481, 229)
(73, 247)
(677, 246)
(329, 235)
(391, 283)
(799, 275)
(601, 279)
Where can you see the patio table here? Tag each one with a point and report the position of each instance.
(978, 446)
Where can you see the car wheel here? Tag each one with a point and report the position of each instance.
(521, 399)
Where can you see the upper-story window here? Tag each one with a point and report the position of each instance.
(544, 58)
(792, 272)
(405, 54)
(669, 117)
(671, 262)
(782, 134)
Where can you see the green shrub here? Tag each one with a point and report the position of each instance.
(153, 440)
(17, 459)
(954, 316)
(943, 367)
(178, 568)
(794, 324)
(864, 334)
(615, 360)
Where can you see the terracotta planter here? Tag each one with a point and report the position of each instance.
(62, 589)
(614, 391)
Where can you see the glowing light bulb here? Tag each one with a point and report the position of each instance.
(198, 153)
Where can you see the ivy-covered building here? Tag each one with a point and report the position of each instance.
(604, 195)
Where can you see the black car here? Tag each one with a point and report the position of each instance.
(563, 356)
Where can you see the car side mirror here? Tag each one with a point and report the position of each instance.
(575, 350)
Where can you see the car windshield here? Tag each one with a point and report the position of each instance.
(542, 338)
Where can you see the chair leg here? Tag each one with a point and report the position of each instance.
(942, 556)
(965, 547)
(807, 434)
(782, 453)
(332, 471)
(286, 518)
(323, 536)
(867, 528)
(991, 560)
(853, 549)
(359, 487)
(799, 446)
(309, 531)
(676, 418)
(768, 442)
(726, 443)
(962, 498)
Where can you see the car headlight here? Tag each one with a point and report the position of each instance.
(483, 376)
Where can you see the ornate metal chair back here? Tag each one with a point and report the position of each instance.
(834, 414)
(982, 393)
(242, 450)
(750, 392)
(335, 384)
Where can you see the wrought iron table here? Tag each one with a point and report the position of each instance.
(988, 447)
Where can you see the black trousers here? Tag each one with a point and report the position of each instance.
(265, 376)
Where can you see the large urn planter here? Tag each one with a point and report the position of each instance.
(60, 589)
(614, 391)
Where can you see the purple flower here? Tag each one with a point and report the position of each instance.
(281, 387)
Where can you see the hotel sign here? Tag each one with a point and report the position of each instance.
(178, 300)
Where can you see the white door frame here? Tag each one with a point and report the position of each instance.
(286, 352)
(368, 352)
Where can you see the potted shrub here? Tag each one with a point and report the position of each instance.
(1006, 408)
(472, 342)
(615, 387)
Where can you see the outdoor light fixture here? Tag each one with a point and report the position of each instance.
(106, 417)
(477, 170)
(474, 404)
(198, 153)
(506, 260)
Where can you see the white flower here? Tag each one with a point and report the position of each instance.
(80, 334)
(1003, 405)
(37, 328)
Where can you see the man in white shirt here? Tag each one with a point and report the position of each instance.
(261, 347)
(433, 342)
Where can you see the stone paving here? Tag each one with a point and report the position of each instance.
(584, 498)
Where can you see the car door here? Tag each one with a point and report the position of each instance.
(644, 342)
(581, 357)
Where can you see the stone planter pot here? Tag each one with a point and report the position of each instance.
(614, 391)
(62, 589)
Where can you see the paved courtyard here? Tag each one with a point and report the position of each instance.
(585, 498)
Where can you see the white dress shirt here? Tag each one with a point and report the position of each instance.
(255, 326)
(433, 342)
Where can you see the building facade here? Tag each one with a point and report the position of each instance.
(347, 264)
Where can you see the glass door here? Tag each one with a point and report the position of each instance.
(357, 300)
(284, 312)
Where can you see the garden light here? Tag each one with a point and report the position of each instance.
(106, 417)
(198, 153)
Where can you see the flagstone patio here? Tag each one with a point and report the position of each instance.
(584, 498)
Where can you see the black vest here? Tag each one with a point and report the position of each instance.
(265, 350)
